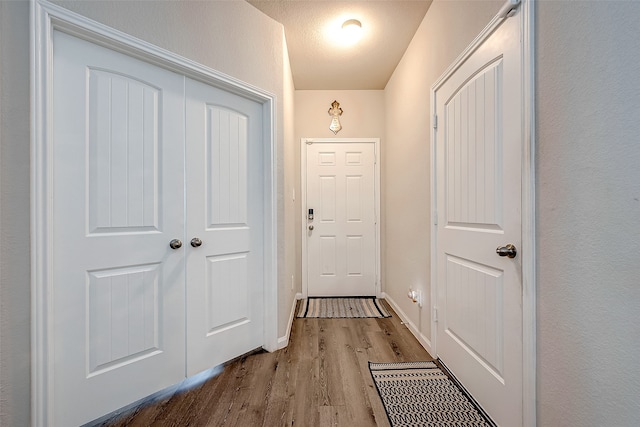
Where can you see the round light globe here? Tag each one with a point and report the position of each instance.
(351, 31)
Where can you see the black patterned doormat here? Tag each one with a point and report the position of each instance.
(420, 394)
(345, 307)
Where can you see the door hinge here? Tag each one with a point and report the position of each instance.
(435, 217)
(434, 314)
(435, 121)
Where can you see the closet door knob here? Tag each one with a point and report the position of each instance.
(175, 244)
(195, 242)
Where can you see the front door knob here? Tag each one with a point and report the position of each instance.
(508, 251)
(175, 244)
(195, 242)
(311, 228)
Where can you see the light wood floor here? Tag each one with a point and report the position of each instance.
(321, 379)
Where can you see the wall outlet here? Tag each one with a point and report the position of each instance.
(292, 281)
(415, 296)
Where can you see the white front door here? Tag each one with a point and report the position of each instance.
(341, 237)
(118, 200)
(478, 174)
(224, 211)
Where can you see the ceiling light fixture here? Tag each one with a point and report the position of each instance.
(351, 31)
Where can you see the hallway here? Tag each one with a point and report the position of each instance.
(320, 379)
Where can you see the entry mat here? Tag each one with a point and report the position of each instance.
(421, 394)
(347, 307)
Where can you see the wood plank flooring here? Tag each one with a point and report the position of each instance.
(321, 379)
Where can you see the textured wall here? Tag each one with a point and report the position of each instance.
(588, 220)
(447, 29)
(14, 214)
(363, 117)
(229, 36)
(291, 180)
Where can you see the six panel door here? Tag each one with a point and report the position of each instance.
(341, 238)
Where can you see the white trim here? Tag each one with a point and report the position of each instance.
(529, 284)
(45, 17)
(303, 190)
(284, 340)
(528, 251)
(422, 339)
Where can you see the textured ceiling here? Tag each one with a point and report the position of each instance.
(318, 62)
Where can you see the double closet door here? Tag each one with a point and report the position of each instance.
(157, 229)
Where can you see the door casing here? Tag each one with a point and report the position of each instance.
(528, 251)
(304, 142)
(45, 18)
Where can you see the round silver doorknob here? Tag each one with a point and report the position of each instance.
(311, 228)
(175, 244)
(508, 251)
(195, 242)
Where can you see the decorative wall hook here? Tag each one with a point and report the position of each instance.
(335, 112)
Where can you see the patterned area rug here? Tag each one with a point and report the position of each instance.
(342, 308)
(420, 394)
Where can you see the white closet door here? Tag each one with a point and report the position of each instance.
(224, 210)
(118, 200)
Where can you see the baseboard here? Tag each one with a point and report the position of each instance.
(423, 340)
(284, 341)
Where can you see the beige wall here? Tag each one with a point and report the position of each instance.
(588, 187)
(287, 291)
(447, 29)
(229, 36)
(588, 212)
(15, 300)
(363, 117)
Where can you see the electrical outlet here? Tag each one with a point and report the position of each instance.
(415, 296)
(292, 281)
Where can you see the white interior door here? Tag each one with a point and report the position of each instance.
(118, 200)
(341, 237)
(478, 146)
(224, 210)
(121, 129)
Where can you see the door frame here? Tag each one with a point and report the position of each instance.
(528, 251)
(304, 142)
(46, 17)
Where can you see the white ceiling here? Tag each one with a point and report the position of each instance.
(317, 62)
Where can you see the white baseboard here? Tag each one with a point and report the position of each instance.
(284, 341)
(423, 340)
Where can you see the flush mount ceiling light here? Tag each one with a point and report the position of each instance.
(351, 31)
